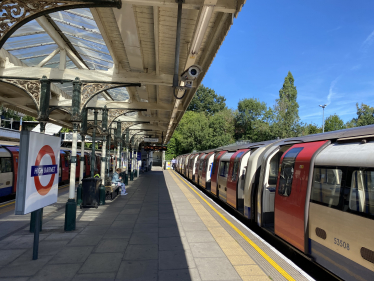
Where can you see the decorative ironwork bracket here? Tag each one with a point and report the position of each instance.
(31, 87)
(91, 89)
(16, 13)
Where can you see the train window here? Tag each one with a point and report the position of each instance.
(274, 168)
(326, 186)
(234, 175)
(287, 171)
(361, 197)
(224, 169)
(6, 165)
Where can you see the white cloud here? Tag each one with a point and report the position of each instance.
(331, 91)
(369, 40)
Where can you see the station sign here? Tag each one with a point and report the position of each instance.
(154, 148)
(150, 139)
(38, 169)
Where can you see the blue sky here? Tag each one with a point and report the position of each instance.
(327, 45)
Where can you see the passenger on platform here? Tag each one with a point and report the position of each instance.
(116, 179)
(173, 163)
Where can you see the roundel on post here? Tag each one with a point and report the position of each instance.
(43, 170)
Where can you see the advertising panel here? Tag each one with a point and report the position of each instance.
(168, 165)
(39, 166)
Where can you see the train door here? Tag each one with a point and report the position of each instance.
(186, 164)
(207, 171)
(252, 179)
(215, 171)
(232, 178)
(6, 173)
(224, 170)
(291, 192)
(267, 185)
(199, 168)
(235, 181)
(14, 151)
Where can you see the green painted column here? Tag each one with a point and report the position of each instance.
(71, 205)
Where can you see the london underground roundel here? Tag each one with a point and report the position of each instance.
(42, 170)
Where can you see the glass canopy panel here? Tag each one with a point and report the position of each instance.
(119, 94)
(31, 27)
(80, 28)
(33, 56)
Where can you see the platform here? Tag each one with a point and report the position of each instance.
(164, 229)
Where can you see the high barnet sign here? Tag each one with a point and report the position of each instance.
(38, 168)
(150, 139)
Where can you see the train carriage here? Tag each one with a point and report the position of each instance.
(316, 193)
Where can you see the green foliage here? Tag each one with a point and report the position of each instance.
(334, 123)
(65, 130)
(222, 128)
(253, 120)
(310, 129)
(365, 115)
(208, 124)
(207, 101)
(287, 110)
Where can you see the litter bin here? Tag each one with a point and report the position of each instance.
(90, 192)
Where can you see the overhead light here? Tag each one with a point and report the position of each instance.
(202, 26)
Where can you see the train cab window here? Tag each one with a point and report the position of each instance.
(201, 165)
(361, 194)
(274, 168)
(234, 175)
(326, 186)
(224, 169)
(287, 171)
(5, 165)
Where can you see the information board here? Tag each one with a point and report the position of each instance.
(38, 168)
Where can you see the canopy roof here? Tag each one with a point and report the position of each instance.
(134, 44)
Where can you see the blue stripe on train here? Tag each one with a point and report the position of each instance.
(6, 191)
(247, 212)
(338, 264)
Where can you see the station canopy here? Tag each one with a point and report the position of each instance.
(133, 44)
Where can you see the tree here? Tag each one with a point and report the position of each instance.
(287, 110)
(310, 129)
(252, 120)
(365, 115)
(192, 133)
(334, 123)
(206, 100)
(222, 129)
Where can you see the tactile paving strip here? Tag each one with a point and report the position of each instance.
(242, 246)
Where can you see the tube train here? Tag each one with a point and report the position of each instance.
(9, 155)
(315, 192)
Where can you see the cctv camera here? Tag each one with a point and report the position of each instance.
(190, 75)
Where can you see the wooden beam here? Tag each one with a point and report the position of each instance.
(89, 75)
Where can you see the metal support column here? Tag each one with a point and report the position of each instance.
(81, 171)
(71, 206)
(93, 153)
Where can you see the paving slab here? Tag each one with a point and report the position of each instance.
(156, 232)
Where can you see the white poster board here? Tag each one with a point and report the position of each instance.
(150, 139)
(37, 184)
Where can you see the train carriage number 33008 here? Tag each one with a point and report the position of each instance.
(341, 243)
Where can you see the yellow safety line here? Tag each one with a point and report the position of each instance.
(257, 248)
(2, 206)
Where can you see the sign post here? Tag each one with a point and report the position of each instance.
(39, 159)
